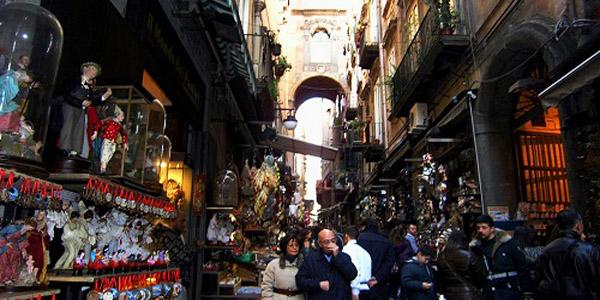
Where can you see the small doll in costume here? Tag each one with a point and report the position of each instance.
(112, 130)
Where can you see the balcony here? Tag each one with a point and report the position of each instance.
(428, 60)
(368, 51)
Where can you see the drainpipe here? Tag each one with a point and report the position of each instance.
(471, 97)
(383, 107)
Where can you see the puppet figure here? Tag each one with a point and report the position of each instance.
(113, 134)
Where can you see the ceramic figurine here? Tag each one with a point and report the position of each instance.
(79, 263)
(77, 99)
(75, 233)
(113, 130)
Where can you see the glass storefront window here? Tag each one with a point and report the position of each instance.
(149, 150)
(31, 41)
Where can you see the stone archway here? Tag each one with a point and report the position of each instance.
(494, 109)
(319, 86)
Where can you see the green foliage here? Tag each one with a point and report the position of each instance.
(273, 89)
(283, 63)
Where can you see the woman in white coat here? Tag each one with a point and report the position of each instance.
(279, 279)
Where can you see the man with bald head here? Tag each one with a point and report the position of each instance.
(326, 272)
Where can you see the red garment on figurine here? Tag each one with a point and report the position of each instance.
(93, 123)
(38, 242)
(112, 129)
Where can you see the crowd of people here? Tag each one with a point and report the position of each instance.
(364, 264)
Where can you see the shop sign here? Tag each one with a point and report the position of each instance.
(199, 193)
(167, 44)
(498, 213)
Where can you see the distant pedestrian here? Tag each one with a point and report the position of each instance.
(279, 279)
(361, 260)
(402, 252)
(568, 267)
(382, 258)
(327, 272)
(411, 237)
(504, 262)
(417, 277)
(460, 272)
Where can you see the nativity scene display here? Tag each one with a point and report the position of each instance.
(30, 48)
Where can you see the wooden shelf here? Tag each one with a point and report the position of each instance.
(93, 278)
(217, 208)
(218, 247)
(28, 294)
(250, 296)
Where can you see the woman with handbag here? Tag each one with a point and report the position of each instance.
(279, 279)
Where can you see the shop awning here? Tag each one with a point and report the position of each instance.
(289, 144)
(583, 74)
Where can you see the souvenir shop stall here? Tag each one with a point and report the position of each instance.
(250, 211)
(110, 223)
(441, 185)
(30, 48)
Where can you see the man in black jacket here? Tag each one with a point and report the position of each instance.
(568, 267)
(382, 257)
(504, 262)
(327, 272)
(417, 277)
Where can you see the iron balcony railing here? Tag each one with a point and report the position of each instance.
(426, 38)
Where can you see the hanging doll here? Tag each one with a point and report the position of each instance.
(113, 134)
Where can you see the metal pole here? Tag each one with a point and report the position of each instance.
(470, 100)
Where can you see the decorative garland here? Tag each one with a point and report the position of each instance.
(28, 191)
(106, 192)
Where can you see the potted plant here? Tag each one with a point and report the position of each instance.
(276, 49)
(273, 89)
(281, 66)
(445, 17)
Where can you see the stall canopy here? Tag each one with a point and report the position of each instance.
(583, 74)
(289, 144)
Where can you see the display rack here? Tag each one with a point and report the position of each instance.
(20, 295)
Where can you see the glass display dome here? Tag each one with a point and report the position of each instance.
(31, 40)
(147, 158)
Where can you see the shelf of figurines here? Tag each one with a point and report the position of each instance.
(95, 272)
(151, 284)
(27, 191)
(105, 192)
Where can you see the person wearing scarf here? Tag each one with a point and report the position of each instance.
(279, 281)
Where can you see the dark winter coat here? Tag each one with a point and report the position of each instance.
(339, 272)
(382, 257)
(413, 276)
(459, 275)
(576, 267)
(502, 254)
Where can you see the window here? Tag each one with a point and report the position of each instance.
(244, 12)
(373, 22)
(320, 47)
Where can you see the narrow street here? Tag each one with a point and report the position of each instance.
(299, 149)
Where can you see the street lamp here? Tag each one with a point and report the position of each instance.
(290, 122)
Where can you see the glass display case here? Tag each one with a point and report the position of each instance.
(31, 41)
(146, 158)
